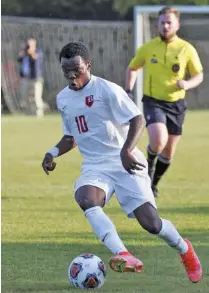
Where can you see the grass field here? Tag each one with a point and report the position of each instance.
(43, 229)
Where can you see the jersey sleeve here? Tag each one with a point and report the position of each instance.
(65, 127)
(121, 106)
(194, 64)
(138, 60)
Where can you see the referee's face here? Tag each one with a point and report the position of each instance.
(168, 25)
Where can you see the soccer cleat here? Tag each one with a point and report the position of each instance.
(191, 264)
(125, 262)
(155, 190)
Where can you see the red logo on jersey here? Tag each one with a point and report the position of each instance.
(89, 100)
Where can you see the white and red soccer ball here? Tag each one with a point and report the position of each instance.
(87, 271)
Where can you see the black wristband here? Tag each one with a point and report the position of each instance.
(129, 92)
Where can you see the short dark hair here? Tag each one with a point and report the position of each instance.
(73, 49)
(170, 9)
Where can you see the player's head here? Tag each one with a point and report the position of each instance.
(168, 22)
(76, 64)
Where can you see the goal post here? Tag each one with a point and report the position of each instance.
(141, 35)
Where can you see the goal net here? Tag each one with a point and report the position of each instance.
(194, 28)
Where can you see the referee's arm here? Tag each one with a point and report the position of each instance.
(195, 69)
(137, 62)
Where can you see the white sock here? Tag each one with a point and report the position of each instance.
(171, 236)
(104, 229)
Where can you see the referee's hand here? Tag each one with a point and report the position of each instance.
(130, 94)
(182, 84)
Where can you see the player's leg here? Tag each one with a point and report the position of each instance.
(91, 199)
(149, 219)
(174, 126)
(136, 198)
(157, 132)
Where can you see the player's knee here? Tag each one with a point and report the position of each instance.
(85, 201)
(152, 226)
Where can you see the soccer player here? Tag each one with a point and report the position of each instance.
(167, 60)
(105, 124)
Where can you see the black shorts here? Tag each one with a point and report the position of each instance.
(170, 113)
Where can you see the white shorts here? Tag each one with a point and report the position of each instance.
(131, 191)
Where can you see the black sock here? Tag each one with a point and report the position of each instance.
(151, 160)
(161, 167)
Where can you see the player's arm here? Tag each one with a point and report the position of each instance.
(66, 144)
(195, 70)
(136, 128)
(136, 63)
(126, 112)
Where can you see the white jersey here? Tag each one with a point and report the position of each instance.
(97, 116)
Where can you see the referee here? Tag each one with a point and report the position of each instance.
(168, 60)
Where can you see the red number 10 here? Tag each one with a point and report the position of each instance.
(81, 124)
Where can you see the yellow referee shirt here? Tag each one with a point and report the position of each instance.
(165, 64)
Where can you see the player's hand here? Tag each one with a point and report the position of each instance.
(48, 163)
(182, 84)
(130, 163)
(21, 54)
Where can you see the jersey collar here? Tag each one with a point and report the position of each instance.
(174, 40)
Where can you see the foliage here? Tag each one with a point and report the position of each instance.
(83, 9)
(123, 6)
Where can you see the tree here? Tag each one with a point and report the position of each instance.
(83, 9)
(124, 6)
(74, 9)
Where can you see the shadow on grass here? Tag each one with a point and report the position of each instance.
(42, 267)
(187, 210)
(139, 236)
(184, 210)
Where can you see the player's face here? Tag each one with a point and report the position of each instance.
(76, 71)
(168, 25)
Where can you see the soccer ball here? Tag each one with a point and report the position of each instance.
(87, 271)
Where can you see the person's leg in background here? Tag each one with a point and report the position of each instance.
(158, 135)
(174, 127)
(24, 94)
(38, 93)
(164, 159)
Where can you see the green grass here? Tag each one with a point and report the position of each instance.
(43, 229)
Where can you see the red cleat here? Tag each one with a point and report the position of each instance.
(125, 262)
(191, 264)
